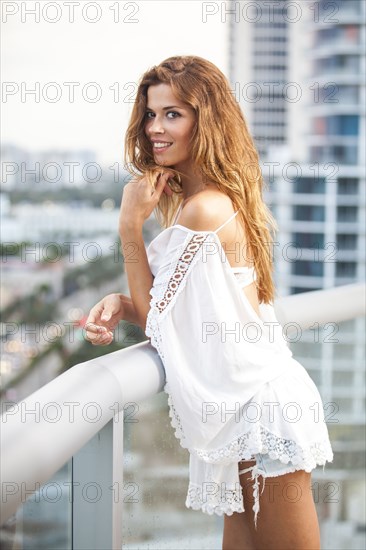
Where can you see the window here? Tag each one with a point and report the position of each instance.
(308, 240)
(347, 213)
(345, 406)
(348, 33)
(327, 35)
(342, 62)
(269, 123)
(269, 110)
(346, 241)
(354, 6)
(347, 186)
(344, 351)
(344, 154)
(307, 349)
(301, 290)
(271, 25)
(309, 185)
(315, 375)
(267, 53)
(337, 125)
(347, 326)
(311, 269)
(343, 125)
(319, 126)
(338, 94)
(309, 212)
(343, 378)
(346, 269)
(264, 38)
(271, 67)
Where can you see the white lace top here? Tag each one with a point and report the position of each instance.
(234, 388)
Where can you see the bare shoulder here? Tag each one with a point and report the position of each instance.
(206, 211)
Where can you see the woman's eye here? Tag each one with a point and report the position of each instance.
(148, 113)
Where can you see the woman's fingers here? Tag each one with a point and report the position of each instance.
(102, 318)
(162, 184)
(93, 328)
(163, 179)
(103, 340)
(111, 306)
(97, 334)
(99, 339)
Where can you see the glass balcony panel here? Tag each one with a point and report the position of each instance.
(44, 521)
(156, 482)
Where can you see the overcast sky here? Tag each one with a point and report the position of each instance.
(112, 54)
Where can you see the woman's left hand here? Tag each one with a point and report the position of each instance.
(139, 198)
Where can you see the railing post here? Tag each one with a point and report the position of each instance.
(118, 485)
(97, 483)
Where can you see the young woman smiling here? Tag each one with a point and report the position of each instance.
(199, 171)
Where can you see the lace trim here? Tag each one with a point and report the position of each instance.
(212, 498)
(257, 440)
(207, 499)
(261, 440)
(163, 293)
(175, 420)
(180, 271)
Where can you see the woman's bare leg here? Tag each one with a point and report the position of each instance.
(237, 534)
(287, 518)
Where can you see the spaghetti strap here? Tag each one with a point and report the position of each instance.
(227, 221)
(177, 213)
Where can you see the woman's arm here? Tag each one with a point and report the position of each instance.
(129, 312)
(139, 276)
(139, 199)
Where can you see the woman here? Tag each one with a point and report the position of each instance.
(239, 402)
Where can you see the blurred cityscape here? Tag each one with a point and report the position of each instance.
(301, 86)
(60, 254)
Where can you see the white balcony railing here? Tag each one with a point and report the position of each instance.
(97, 392)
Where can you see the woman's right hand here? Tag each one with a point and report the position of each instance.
(103, 319)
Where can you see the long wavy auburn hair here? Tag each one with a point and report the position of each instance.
(221, 146)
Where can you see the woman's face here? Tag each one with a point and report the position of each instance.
(170, 122)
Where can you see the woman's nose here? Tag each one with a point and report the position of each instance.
(156, 125)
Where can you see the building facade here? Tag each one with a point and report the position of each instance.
(313, 162)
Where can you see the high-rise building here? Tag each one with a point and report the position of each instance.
(258, 69)
(314, 165)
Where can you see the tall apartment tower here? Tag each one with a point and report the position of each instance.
(258, 68)
(314, 165)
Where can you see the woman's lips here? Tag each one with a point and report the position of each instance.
(161, 149)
